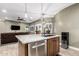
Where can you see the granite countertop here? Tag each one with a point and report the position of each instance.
(32, 38)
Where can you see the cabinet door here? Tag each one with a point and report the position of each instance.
(52, 46)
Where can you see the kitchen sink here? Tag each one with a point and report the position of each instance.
(46, 35)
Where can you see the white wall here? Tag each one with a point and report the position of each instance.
(68, 20)
(5, 27)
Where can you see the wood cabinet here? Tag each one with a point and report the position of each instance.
(53, 46)
(10, 37)
(23, 49)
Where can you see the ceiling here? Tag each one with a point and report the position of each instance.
(33, 10)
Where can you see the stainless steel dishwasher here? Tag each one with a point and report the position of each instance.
(37, 48)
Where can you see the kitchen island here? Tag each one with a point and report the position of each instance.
(51, 44)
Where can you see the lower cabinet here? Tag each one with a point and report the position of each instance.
(53, 46)
(48, 47)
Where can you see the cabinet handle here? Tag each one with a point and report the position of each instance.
(38, 45)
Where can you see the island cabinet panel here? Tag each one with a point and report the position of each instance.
(53, 46)
(23, 49)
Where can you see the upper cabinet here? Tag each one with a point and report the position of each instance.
(48, 27)
(45, 26)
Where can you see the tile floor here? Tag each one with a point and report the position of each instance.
(68, 52)
(12, 50)
(9, 50)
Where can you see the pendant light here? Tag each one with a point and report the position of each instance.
(42, 17)
(26, 15)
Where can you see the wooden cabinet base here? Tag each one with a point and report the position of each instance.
(23, 49)
(53, 46)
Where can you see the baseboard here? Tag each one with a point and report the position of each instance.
(74, 48)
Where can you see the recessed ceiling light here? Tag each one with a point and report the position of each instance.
(31, 17)
(26, 15)
(4, 11)
(6, 17)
